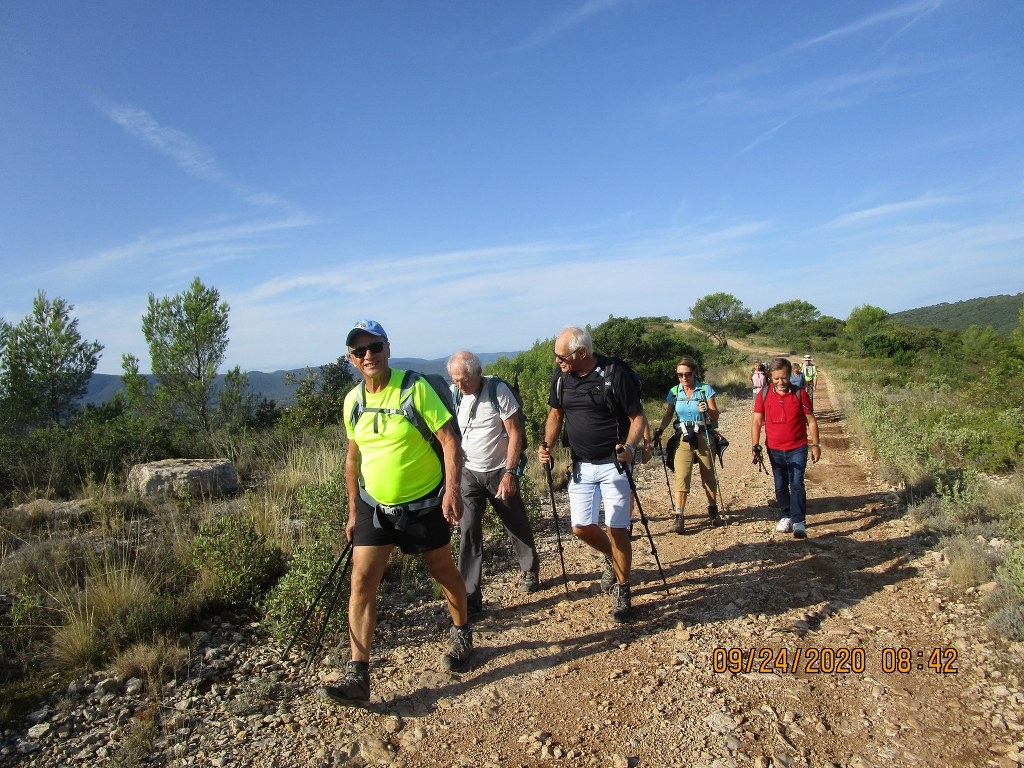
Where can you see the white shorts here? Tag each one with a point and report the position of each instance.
(594, 483)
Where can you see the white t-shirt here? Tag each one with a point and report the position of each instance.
(483, 440)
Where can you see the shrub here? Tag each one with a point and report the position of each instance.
(930, 514)
(236, 562)
(136, 746)
(1012, 521)
(1011, 573)
(289, 599)
(970, 563)
(325, 502)
(1008, 620)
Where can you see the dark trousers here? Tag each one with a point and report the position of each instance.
(477, 489)
(788, 469)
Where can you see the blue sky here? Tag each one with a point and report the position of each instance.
(480, 175)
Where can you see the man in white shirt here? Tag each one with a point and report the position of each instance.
(493, 440)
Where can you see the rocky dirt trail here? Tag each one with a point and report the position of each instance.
(556, 683)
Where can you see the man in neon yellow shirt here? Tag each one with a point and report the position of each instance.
(399, 494)
(810, 376)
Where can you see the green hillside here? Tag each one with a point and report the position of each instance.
(1001, 312)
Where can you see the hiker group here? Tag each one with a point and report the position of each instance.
(424, 456)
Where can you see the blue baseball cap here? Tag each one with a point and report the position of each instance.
(371, 327)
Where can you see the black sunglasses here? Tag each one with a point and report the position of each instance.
(566, 358)
(683, 375)
(375, 347)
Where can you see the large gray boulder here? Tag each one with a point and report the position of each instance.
(184, 477)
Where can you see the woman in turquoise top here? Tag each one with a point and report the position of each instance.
(692, 403)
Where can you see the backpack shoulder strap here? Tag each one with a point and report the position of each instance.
(408, 407)
(560, 388)
(491, 385)
(492, 397)
(358, 406)
(605, 372)
(492, 390)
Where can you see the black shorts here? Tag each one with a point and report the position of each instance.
(424, 532)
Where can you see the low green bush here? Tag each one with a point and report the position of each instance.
(1011, 573)
(238, 563)
(287, 602)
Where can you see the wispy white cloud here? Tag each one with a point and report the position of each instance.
(916, 11)
(188, 154)
(567, 20)
(492, 298)
(752, 87)
(764, 136)
(891, 209)
(221, 242)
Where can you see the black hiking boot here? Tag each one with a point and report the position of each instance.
(607, 576)
(352, 689)
(459, 649)
(622, 604)
(713, 515)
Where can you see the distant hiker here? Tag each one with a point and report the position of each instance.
(493, 439)
(796, 378)
(398, 494)
(599, 403)
(787, 416)
(692, 404)
(758, 378)
(810, 376)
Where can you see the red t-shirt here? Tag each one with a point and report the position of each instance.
(785, 427)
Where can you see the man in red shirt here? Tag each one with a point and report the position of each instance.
(787, 416)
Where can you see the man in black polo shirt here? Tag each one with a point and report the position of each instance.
(604, 419)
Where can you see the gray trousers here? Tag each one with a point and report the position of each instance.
(477, 489)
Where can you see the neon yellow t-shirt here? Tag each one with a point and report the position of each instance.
(396, 464)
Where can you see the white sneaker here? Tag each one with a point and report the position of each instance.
(799, 530)
(785, 525)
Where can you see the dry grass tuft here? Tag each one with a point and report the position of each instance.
(154, 662)
(970, 563)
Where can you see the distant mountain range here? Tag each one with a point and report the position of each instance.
(103, 386)
(1001, 312)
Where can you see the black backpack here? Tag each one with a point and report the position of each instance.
(407, 408)
(491, 384)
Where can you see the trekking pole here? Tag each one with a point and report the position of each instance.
(643, 520)
(759, 460)
(664, 464)
(554, 514)
(711, 453)
(323, 588)
(330, 609)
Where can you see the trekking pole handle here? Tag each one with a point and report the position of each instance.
(550, 463)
